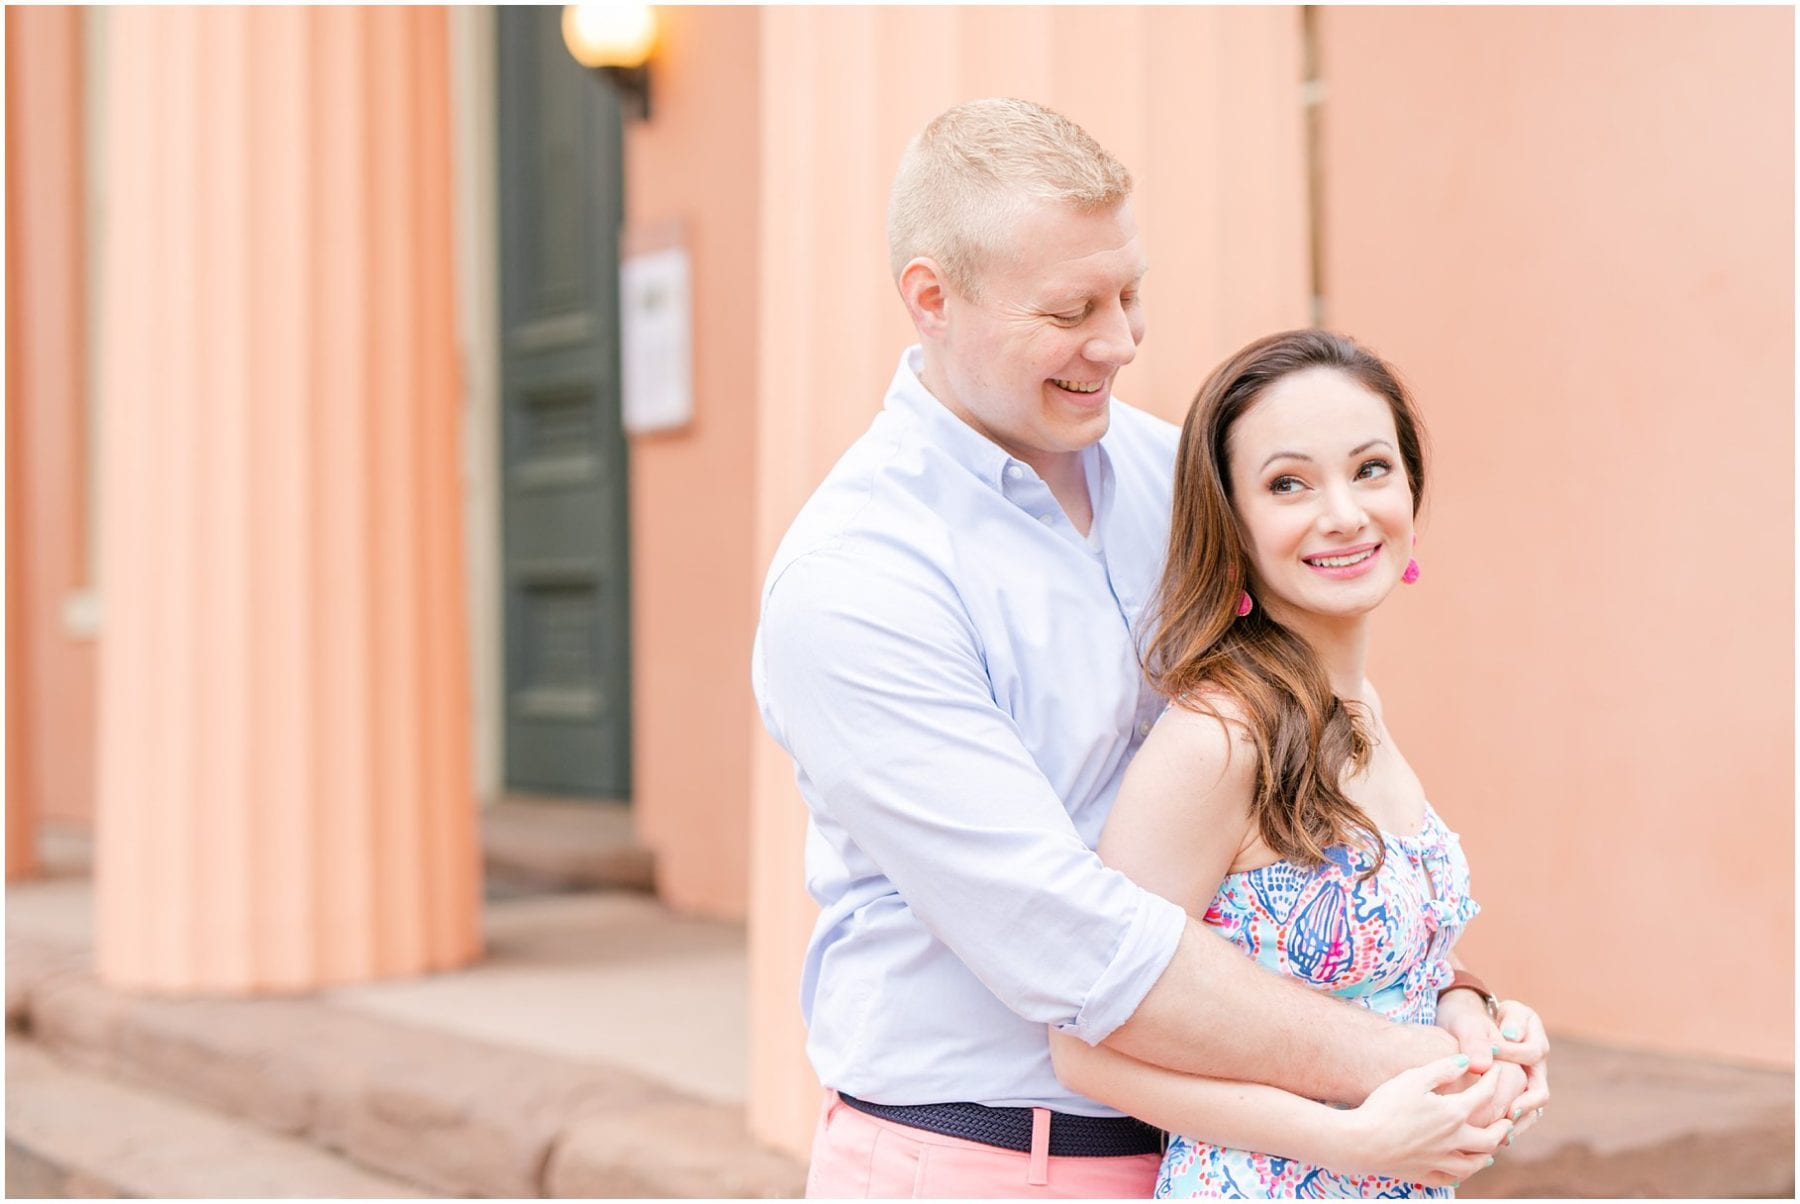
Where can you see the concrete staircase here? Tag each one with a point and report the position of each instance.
(599, 1051)
(593, 1054)
(79, 1135)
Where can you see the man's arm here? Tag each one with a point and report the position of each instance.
(871, 675)
(1217, 1013)
(1181, 818)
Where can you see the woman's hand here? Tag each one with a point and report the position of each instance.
(1515, 1038)
(1407, 1129)
(1522, 1040)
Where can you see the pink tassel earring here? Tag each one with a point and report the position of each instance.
(1412, 566)
(1244, 602)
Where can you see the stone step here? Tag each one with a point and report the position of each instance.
(481, 1082)
(458, 1115)
(537, 843)
(74, 1134)
(1635, 1124)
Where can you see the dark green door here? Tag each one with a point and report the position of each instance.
(564, 553)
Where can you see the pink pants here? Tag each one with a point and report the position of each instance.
(858, 1156)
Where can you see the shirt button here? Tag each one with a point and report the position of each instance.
(1014, 472)
(1046, 519)
(1144, 727)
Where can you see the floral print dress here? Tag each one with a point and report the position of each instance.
(1383, 944)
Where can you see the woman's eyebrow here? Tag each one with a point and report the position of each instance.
(1358, 450)
(1286, 455)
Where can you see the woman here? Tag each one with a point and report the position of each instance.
(1270, 796)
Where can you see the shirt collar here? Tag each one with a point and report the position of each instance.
(908, 396)
(963, 443)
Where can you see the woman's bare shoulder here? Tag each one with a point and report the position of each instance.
(1208, 728)
(1210, 709)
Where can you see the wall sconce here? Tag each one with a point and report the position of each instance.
(615, 40)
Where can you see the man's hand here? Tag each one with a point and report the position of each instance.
(1517, 1040)
(1509, 1086)
(1463, 1014)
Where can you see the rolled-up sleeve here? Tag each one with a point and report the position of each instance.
(874, 680)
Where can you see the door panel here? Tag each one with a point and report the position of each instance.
(564, 555)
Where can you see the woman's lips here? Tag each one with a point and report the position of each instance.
(1362, 557)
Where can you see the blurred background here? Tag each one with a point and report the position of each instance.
(400, 416)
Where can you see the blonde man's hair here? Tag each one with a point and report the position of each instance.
(967, 178)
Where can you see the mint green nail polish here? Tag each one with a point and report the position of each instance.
(1462, 1061)
(1487, 1164)
(1496, 1050)
(1511, 1034)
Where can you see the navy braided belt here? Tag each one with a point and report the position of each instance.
(1010, 1128)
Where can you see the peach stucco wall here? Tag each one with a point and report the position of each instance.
(1573, 230)
(1203, 105)
(51, 732)
(692, 172)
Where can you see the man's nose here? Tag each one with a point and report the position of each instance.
(1113, 340)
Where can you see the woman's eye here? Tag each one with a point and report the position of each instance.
(1374, 468)
(1286, 485)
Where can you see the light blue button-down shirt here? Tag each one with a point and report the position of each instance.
(954, 669)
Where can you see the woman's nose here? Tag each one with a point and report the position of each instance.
(1342, 511)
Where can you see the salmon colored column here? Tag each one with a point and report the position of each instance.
(49, 673)
(1204, 107)
(285, 794)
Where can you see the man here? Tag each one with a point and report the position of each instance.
(948, 649)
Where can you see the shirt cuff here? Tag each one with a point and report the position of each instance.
(1149, 945)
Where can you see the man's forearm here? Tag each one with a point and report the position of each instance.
(1215, 1012)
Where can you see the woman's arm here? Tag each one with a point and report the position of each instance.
(1405, 1129)
(1180, 823)
(1181, 816)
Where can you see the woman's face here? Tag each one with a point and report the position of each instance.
(1322, 493)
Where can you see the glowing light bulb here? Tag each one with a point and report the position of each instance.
(609, 35)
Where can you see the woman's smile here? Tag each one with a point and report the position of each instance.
(1344, 563)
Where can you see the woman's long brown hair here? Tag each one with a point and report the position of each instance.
(1305, 736)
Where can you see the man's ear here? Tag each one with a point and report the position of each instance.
(926, 294)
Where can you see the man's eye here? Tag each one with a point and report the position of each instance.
(1071, 318)
(1286, 485)
(1374, 468)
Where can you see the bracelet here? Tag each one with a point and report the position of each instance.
(1462, 980)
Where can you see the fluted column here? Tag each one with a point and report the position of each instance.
(285, 793)
(49, 671)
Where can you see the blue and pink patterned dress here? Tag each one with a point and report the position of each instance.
(1383, 944)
